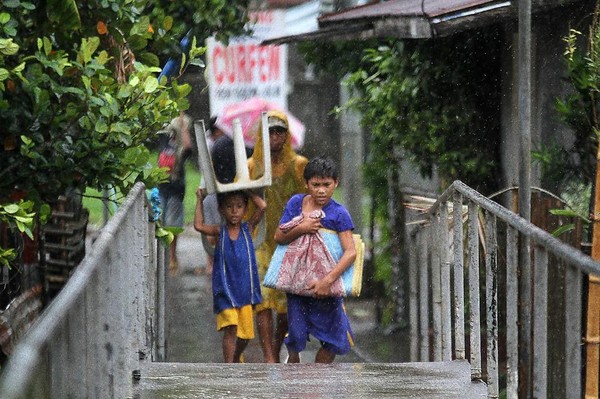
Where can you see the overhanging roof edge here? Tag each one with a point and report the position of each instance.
(495, 11)
(363, 30)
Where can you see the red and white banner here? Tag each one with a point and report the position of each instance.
(245, 69)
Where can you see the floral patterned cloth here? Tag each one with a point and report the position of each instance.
(306, 259)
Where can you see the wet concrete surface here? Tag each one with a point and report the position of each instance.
(315, 381)
(374, 368)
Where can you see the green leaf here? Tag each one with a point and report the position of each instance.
(134, 81)
(88, 47)
(563, 229)
(150, 85)
(168, 23)
(11, 3)
(149, 59)
(20, 226)
(197, 62)
(164, 236)
(47, 46)
(137, 42)
(23, 219)
(124, 91)
(8, 47)
(44, 213)
(101, 127)
(12, 208)
(564, 212)
(28, 6)
(174, 230)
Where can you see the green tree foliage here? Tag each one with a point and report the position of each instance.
(437, 102)
(79, 95)
(580, 110)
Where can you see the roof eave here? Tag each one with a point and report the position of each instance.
(406, 27)
(414, 28)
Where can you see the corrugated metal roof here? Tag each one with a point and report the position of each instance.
(284, 3)
(404, 8)
(414, 19)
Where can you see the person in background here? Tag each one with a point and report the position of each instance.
(175, 148)
(320, 314)
(287, 179)
(235, 284)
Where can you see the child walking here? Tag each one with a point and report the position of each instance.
(235, 283)
(320, 315)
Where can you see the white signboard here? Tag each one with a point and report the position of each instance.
(245, 69)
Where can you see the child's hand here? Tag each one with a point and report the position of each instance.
(320, 288)
(310, 225)
(199, 194)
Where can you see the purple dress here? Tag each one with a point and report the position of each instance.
(235, 280)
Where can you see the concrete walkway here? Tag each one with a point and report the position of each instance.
(374, 368)
(315, 381)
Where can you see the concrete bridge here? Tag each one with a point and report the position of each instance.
(375, 368)
(122, 328)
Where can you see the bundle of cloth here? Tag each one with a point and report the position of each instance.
(310, 257)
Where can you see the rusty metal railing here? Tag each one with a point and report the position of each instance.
(448, 321)
(107, 319)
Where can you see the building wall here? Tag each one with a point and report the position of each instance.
(311, 99)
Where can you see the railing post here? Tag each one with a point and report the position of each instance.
(512, 314)
(540, 323)
(436, 292)
(459, 289)
(491, 292)
(573, 323)
(525, 316)
(161, 270)
(413, 301)
(474, 302)
(424, 258)
(445, 284)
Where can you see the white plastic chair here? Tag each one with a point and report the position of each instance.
(243, 181)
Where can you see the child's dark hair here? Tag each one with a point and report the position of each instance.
(321, 167)
(222, 197)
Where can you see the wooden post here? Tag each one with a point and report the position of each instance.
(592, 335)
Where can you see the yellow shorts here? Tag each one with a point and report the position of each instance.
(272, 299)
(240, 317)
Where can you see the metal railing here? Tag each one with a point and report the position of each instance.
(108, 318)
(448, 322)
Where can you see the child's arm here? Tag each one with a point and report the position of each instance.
(260, 207)
(321, 288)
(208, 229)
